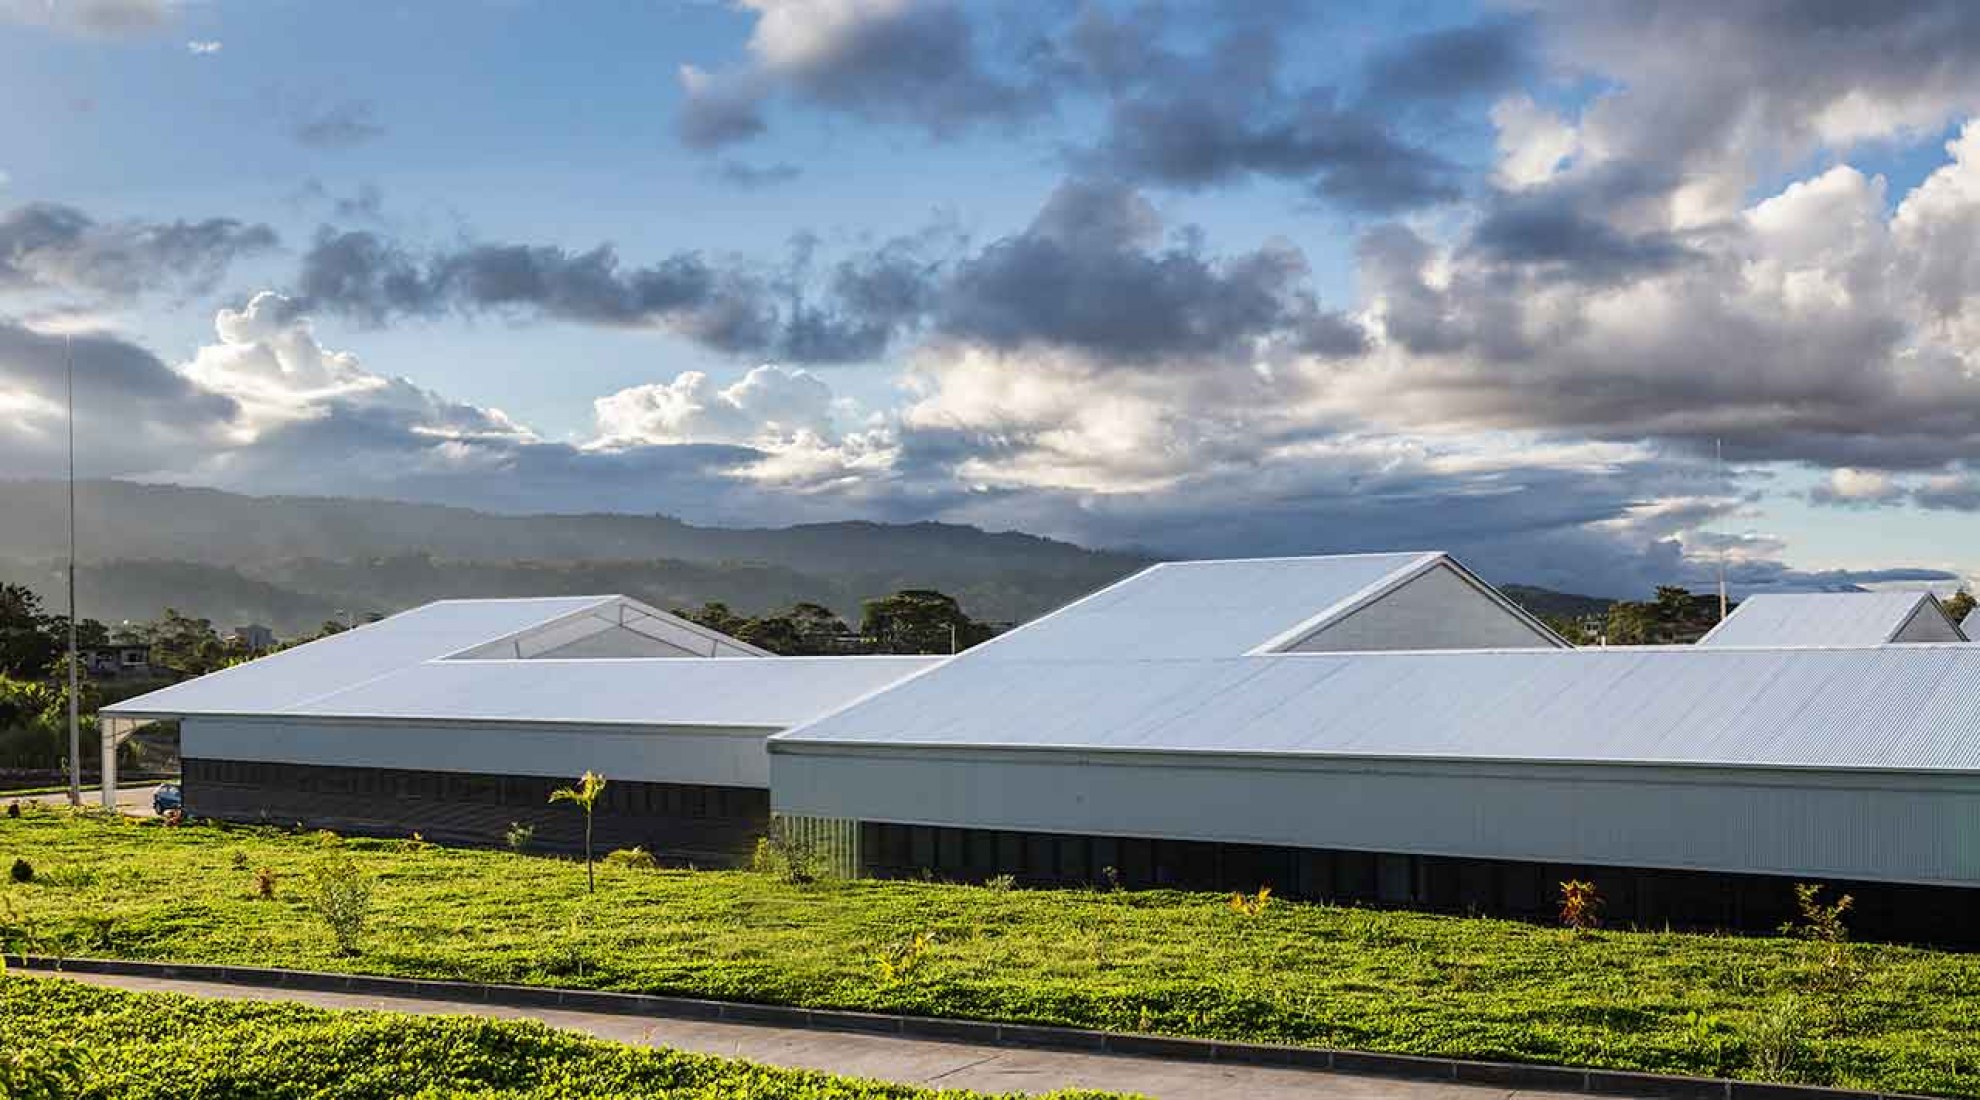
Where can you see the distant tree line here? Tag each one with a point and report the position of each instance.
(913, 620)
(1678, 616)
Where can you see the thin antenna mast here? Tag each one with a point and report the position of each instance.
(75, 723)
(1721, 445)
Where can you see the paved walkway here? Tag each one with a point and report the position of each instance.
(131, 800)
(909, 1061)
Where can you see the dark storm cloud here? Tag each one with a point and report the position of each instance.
(1453, 62)
(923, 65)
(1710, 87)
(1955, 492)
(48, 246)
(93, 17)
(338, 126)
(717, 113)
(1178, 118)
(753, 176)
(1196, 120)
(1554, 240)
(1091, 274)
(133, 412)
(726, 306)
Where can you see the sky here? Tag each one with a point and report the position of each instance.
(1597, 295)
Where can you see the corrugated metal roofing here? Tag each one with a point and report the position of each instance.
(763, 692)
(398, 668)
(340, 661)
(1820, 619)
(1894, 707)
(1202, 608)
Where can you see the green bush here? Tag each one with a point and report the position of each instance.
(634, 859)
(154, 1046)
(342, 896)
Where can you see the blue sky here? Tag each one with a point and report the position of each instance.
(1248, 278)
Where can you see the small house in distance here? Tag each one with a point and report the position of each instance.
(1836, 619)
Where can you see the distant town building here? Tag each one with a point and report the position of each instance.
(254, 637)
(119, 660)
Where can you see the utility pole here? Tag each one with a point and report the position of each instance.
(1721, 445)
(75, 723)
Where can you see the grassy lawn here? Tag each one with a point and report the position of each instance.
(60, 1039)
(1177, 963)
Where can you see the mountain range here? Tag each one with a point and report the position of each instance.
(294, 562)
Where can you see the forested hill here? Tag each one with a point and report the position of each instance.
(124, 520)
(291, 562)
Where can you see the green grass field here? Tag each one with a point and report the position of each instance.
(1177, 963)
(60, 1040)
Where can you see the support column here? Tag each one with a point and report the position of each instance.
(107, 729)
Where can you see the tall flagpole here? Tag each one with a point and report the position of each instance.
(75, 725)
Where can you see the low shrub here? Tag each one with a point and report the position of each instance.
(784, 855)
(265, 879)
(21, 871)
(631, 859)
(519, 836)
(143, 1046)
(342, 897)
(1775, 1044)
(1581, 906)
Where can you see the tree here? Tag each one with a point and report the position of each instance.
(1960, 607)
(1568, 628)
(30, 645)
(185, 644)
(585, 797)
(715, 615)
(1676, 616)
(919, 620)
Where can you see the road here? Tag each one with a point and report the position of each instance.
(989, 1069)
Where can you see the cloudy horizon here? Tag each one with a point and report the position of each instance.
(1503, 279)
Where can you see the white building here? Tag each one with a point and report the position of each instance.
(1836, 619)
(457, 719)
(1174, 730)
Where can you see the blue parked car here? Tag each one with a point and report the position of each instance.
(167, 797)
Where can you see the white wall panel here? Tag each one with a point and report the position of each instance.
(1924, 830)
(721, 757)
(1437, 610)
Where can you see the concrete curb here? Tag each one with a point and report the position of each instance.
(1511, 1075)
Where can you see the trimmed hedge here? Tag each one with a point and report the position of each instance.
(61, 1039)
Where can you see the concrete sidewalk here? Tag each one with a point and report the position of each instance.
(135, 801)
(908, 1061)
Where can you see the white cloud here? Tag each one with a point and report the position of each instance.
(269, 362)
(202, 47)
(1533, 141)
(767, 406)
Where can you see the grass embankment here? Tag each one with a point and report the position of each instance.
(59, 1040)
(1158, 961)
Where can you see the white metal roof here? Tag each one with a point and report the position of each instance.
(331, 664)
(413, 666)
(1217, 608)
(1823, 619)
(1902, 707)
(752, 692)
